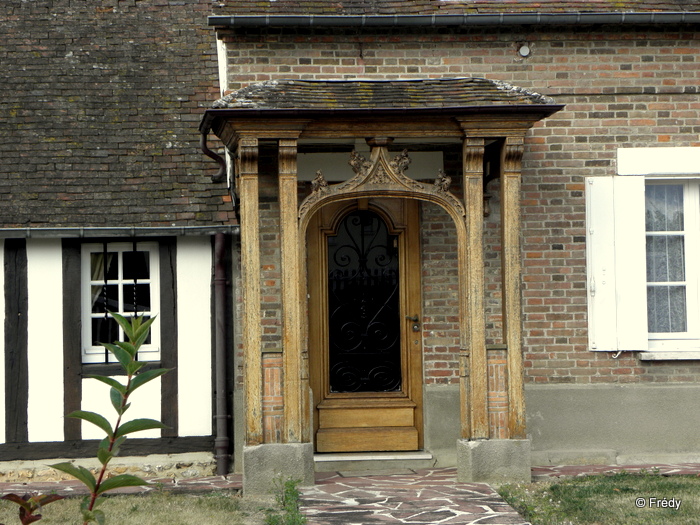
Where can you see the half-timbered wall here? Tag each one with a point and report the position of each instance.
(37, 390)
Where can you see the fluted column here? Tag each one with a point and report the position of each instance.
(291, 292)
(511, 162)
(473, 162)
(247, 160)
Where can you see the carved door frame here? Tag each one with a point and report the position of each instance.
(369, 421)
(380, 176)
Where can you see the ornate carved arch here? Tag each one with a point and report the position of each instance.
(380, 176)
(383, 177)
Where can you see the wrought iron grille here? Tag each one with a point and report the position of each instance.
(363, 301)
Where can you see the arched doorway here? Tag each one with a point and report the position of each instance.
(364, 325)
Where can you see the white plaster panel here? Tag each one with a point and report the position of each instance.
(2, 342)
(145, 403)
(45, 409)
(194, 278)
(658, 161)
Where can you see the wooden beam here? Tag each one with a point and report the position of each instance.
(511, 161)
(72, 344)
(250, 276)
(16, 394)
(473, 163)
(291, 300)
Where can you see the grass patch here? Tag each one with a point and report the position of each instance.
(288, 498)
(157, 507)
(615, 499)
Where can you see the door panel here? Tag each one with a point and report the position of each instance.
(365, 357)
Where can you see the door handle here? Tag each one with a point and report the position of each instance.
(416, 322)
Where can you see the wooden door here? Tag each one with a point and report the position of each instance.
(364, 326)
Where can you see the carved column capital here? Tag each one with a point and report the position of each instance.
(513, 156)
(473, 156)
(247, 156)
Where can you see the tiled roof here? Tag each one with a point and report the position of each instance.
(431, 7)
(98, 116)
(389, 94)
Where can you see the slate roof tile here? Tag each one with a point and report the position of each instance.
(365, 94)
(98, 120)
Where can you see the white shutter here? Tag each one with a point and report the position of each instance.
(616, 267)
(600, 237)
(630, 264)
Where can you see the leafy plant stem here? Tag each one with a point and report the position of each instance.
(110, 448)
(125, 352)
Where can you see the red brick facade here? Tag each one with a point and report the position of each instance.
(620, 87)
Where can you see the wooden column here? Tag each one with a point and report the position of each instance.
(511, 158)
(291, 300)
(473, 162)
(250, 278)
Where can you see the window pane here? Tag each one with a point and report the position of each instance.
(104, 331)
(136, 265)
(137, 298)
(666, 308)
(664, 207)
(105, 298)
(665, 258)
(97, 266)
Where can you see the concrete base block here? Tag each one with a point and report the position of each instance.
(493, 460)
(265, 465)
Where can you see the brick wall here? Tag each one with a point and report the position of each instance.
(441, 341)
(99, 114)
(620, 87)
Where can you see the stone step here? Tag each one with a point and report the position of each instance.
(373, 462)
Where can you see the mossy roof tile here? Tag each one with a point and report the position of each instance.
(365, 94)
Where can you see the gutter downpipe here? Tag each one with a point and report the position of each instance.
(221, 442)
(496, 19)
(89, 232)
(220, 175)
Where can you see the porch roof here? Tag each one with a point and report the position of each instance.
(379, 95)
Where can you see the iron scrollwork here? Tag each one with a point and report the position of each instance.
(363, 286)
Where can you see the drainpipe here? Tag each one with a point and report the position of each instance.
(220, 175)
(221, 442)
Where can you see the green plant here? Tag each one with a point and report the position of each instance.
(609, 499)
(30, 504)
(287, 498)
(136, 332)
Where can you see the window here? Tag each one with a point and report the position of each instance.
(672, 231)
(643, 249)
(121, 278)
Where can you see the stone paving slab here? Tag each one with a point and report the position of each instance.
(568, 471)
(76, 488)
(422, 497)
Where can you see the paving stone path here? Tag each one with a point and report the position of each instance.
(430, 497)
(421, 497)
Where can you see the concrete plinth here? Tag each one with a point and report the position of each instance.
(493, 460)
(264, 465)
